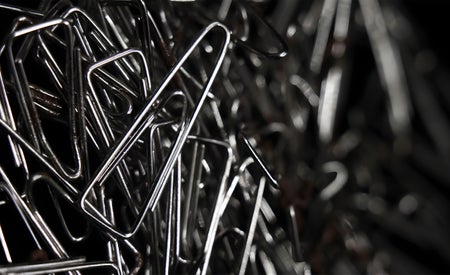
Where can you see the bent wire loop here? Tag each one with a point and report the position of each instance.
(144, 118)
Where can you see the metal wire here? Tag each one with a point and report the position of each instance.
(221, 137)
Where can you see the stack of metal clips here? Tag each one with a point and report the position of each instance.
(221, 137)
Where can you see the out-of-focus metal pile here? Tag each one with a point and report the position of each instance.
(175, 137)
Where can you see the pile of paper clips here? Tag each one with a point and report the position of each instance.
(181, 137)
